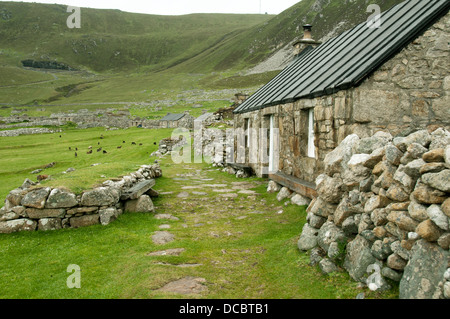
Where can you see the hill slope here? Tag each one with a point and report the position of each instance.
(111, 40)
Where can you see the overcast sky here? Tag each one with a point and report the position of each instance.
(176, 7)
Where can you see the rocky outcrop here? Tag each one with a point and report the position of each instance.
(383, 207)
(31, 207)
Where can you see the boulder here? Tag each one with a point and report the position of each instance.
(162, 237)
(321, 208)
(337, 159)
(102, 196)
(327, 266)
(358, 258)
(46, 224)
(17, 225)
(396, 262)
(440, 138)
(36, 198)
(446, 207)
(417, 211)
(283, 194)
(381, 250)
(108, 215)
(393, 154)
(374, 202)
(421, 137)
(138, 190)
(61, 198)
(438, 217)
(436, 155)
(84, 221)
(143, 204)
(15, 197)
(273, 187)
(403, 221)
(427, 195)
(428, 230)
(308, 238)
(328, 234)
(418, 282)
(330, 189)
(300, 200)
(35, 213)
(440, 181)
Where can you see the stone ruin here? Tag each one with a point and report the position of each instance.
(383, 213)
(33, 207)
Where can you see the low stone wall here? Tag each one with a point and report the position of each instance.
(383, 212)
(26, 131)
(32, 207)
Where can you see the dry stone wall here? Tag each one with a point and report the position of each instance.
(33, 207)
(383, 212)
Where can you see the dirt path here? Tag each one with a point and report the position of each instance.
(206, 220)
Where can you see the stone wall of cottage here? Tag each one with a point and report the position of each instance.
(33, 207)
(409, 92)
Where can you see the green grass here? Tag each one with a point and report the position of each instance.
(250, 258)
(21, 155)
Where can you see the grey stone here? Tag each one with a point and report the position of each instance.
(396, 262)
(283, 194)
(300, 200)
(61, 198)
(186, 286)
(35, 213)
(337, 159)
(438, 181)
(316, 255)
(162, 237)
(393, 154)
(9, 216)
(308, 238)
(349, 226)
(143, 204)
(358, 258)
(84, 221)
(317, 221)
(36, 198)
(381, 250)
(391, 274)
(418, 282)
(366, 184)
(375, 157)
(273, 187)
(327, 266)
(447, 155)
(444, 241)
(433, 168)
(428, 195)
(321, 208)
(404, 179)
(328, 234)
(421, 137)
(15, 197)
(413, 168)
(102, 196)
(417, 211)
(330, 189)
(46, 224)
(108, 215)
(399, 250)
(379, 216)
(17, 225)
(166, 216)
(438, 217)
(440, 138)
(138, 190)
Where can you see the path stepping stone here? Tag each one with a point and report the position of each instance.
(199, 193)
(164, 226)
(183, 195)
(166, 216)
(232, 195)
(178, 265)
(246, 191)
(162, 237)
(168, 252)
(223, 190)
(191, 187)
(186, 286)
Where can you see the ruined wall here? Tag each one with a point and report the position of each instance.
(409, 92)
(34, 207)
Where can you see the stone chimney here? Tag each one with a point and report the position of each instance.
(307, 40)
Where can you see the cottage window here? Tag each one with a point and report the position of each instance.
(311, 146)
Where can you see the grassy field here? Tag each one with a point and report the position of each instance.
(242, 246)
(21, 155)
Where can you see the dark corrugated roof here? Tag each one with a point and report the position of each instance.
(346, 60)
(172, 117)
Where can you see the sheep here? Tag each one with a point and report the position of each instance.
(42, 177)
(89, 152)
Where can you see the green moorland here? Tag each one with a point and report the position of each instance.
(237, 261)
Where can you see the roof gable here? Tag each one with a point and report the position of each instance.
(172, 117)
(346, 60)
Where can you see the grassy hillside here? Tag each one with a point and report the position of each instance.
(111, 40)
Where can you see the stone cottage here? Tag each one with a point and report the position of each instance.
(177, 120)
(394, 78)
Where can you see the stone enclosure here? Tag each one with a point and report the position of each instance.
(383, 213)
(34, 207)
